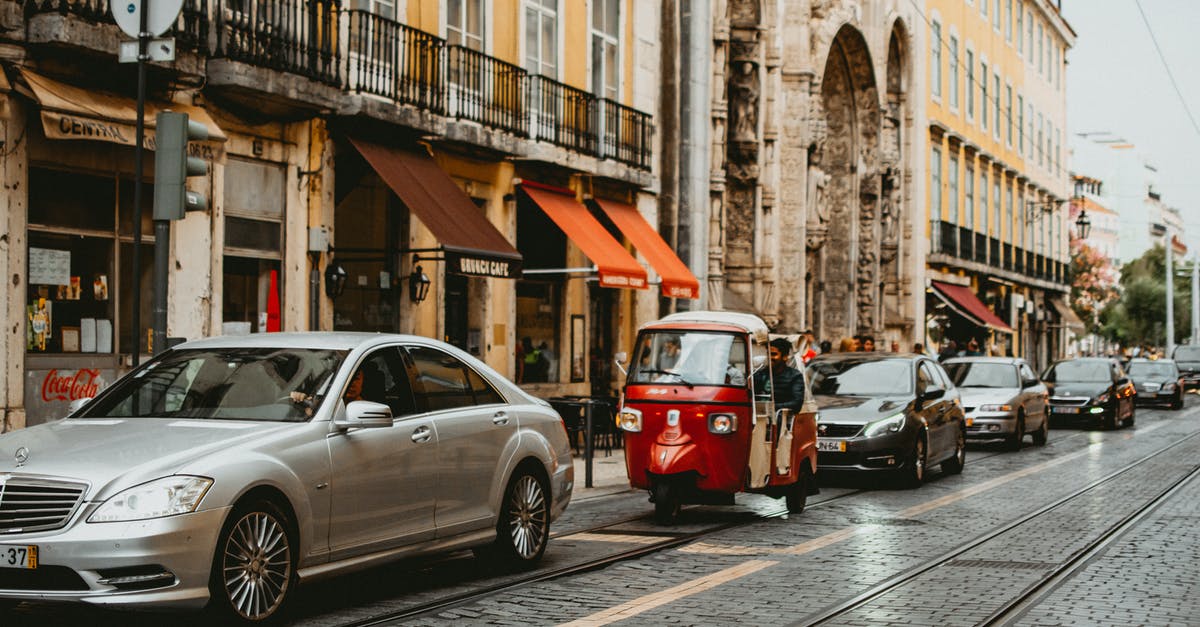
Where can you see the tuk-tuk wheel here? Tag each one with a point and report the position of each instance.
(797, 494)
(667, 504)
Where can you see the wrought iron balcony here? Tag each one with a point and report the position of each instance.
(296, 36)
(980, 248)
(486, 90)
(562, 115)
(624, 134)
(391, 60)
(190, 30)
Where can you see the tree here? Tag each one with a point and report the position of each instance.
(1093, 283)
(1139, 317)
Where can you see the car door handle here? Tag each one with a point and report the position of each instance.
(501, 418)
(421, 434)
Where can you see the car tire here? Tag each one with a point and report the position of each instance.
(954, 465)
(1132, 416)
(254, 565)
(667, 503)
(913, 474)
(1041, 435)
(797, 494)
(1111, 421)
(1014, 441)
(523, 526)
(1177, 403)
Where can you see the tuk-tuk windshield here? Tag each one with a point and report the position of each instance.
(689, 357)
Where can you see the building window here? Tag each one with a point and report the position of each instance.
(1008, 113)
(605, 44)
(935, 184)
(996, 105)
(382, 8)
(253, 210)
(983, 200)
(1040, 134)
(935, 72)
(1008, 212)
(1020, 125)
(983, 98)
(969, 196)
(1029, 37)
(983, 9)
(996, 204)
(970, 85)
(1020, 31)
(1041, 59)
(1024, 231)
(1032, 146)
(953, 72)
(541, 37)
(464, 23)
(952, 181)
(1008, 20)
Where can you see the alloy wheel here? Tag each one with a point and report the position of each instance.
(256, 565)
(527, 518)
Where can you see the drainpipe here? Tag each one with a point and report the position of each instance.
(695, 45)
(668, 199)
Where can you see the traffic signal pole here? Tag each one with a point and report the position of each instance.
(138, 161)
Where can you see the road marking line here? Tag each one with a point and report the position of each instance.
(651, 601)
(617, 537)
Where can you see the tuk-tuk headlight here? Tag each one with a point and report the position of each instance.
(630, 419)
(891, 424)
(722, 423)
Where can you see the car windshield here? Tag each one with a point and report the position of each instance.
(272, 384)
(982, 375)
(890, 377)
(1187, 353)
(689, 357)
(1081, 371)
(1151, 369)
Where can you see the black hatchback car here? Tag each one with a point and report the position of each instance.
(886, 413)
(1157, 381)
(1091, 390)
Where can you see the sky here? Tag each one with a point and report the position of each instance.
(1116, 82)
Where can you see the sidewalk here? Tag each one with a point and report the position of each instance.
(608, 475)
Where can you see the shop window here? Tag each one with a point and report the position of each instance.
(539, 296)
(254, 201)
(370, 227)
(73, 285)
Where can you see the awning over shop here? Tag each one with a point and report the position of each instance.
(964, 302)
(470, 243)
(70, 112)
(617, 268)
(677, 280)
(1069, 319)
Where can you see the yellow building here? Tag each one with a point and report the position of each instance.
(997, 180)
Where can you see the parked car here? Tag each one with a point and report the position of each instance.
(1157, 381)
(1187, 358)
(227, 471)
(886, 413)
(1090, 389)
(1002, 398)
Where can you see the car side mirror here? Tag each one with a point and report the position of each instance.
(758, 361)
(365, 415)
(932, 394)
(1123, 381)
(77, 405)
(1029, 383)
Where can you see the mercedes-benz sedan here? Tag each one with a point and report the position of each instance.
(886, 413)
(1090, 390)
(227, 471)
(1002, 398)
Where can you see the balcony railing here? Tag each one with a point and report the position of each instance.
(624, 134)
(296, 36)
(190, 30)
(389, 59)
(980, 248)
(91, 10)
(486, 90)
(562, 115)
(994, 252)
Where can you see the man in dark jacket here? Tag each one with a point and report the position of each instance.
(785, 383)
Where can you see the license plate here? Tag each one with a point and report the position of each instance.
(836, 446)
(1066, 410)
(1148, 394)
(18, 556)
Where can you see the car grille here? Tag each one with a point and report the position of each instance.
(827, 430)
(34, 504)
(43, 578)
(1072, 401)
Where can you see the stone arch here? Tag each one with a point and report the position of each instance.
(848, 161)
(894, 254)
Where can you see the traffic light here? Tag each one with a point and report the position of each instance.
(172, 166)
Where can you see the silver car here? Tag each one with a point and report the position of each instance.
(227, 471)
(1002, 398)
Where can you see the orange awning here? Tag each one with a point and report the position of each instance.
(616, 266)
(965, 303)
(470, 243)
(677, 280)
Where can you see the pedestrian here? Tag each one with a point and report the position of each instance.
(848, 345)
(808, 347)
(826, 347)
(949, 350)
(895, 346)
(973, 348)
(868, 344)
(785, 384)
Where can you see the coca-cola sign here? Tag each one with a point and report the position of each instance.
(66, 385)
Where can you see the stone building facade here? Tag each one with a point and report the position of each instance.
(811, 194)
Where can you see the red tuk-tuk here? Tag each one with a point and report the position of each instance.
(696, 428)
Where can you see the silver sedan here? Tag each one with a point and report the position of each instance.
(1002, 398)
(227, 471)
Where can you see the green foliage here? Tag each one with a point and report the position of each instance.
(1139, 316)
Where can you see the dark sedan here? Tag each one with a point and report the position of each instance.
(886, 413)
(1090, 389)
(1187, 358)
(1157, 382)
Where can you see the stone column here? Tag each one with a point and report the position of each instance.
(14, 162)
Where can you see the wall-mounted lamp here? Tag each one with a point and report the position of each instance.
(335, 279)
(418, 285)
(1084, 224)
(1034, 210)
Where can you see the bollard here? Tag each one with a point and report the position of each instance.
(587, 443)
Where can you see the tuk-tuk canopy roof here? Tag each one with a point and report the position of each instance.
(749, 323)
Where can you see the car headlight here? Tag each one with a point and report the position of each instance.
(722, 423)
(1103, 398)
(630, 419)
(891, 424)
(168, 496)
(995, 408)
(1168, 386)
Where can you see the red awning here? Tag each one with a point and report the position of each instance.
(616, 266)
(677, 280)
(963, 301)
(470, 243)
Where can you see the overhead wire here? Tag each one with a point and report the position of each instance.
(1167, 67)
